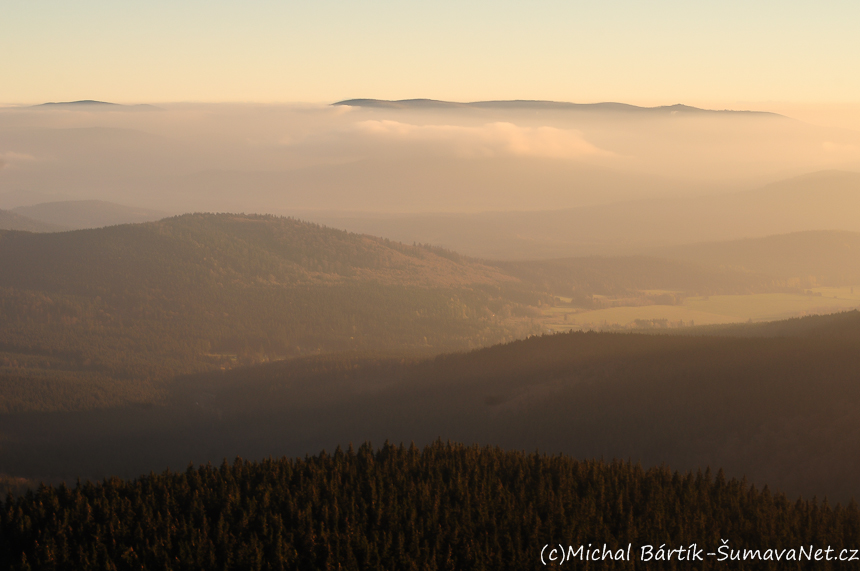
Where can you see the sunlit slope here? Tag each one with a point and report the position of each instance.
(152, 300)
(759, 279)
(211, 249)
(680, 311)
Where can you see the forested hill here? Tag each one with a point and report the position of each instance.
(95, 313)
(99, 317)
(444, 507)
(216, 250)
(779, 409)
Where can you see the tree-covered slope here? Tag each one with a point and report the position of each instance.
(101, 317)
(779, 409)
(148, 301)
(207, 250)
(444, 507)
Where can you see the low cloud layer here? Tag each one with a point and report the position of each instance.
(296, 158)
(489, 140)
(9, 159)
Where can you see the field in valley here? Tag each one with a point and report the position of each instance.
(707, 310)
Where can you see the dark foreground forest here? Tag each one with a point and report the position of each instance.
(444, 507)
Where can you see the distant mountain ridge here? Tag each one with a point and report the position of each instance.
(81, 102)
(611, 107)
(83, 214)
(831, 256)
(12, 221)
(92, 104)
(824, 200)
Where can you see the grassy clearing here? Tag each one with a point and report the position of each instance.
(715, 309)
(849, 293)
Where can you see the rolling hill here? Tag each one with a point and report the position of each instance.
(104, 312)
(96, 318)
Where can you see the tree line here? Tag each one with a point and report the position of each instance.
(446, 506)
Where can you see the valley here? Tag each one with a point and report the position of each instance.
(450, 286)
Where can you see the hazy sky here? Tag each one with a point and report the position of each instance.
(657, 52)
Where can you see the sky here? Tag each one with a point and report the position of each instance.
(751, 54)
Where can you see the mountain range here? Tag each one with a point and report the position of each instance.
(10, 220)
(93, 105)
(536, 105)
(81, 214)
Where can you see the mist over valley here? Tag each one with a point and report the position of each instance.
(666, 294)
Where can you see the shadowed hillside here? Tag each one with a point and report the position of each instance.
(777, 409)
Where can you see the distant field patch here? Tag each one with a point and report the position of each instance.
(715, 309)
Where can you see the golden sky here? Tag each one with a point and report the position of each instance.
(659, 52)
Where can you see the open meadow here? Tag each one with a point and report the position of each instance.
(705, 310)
